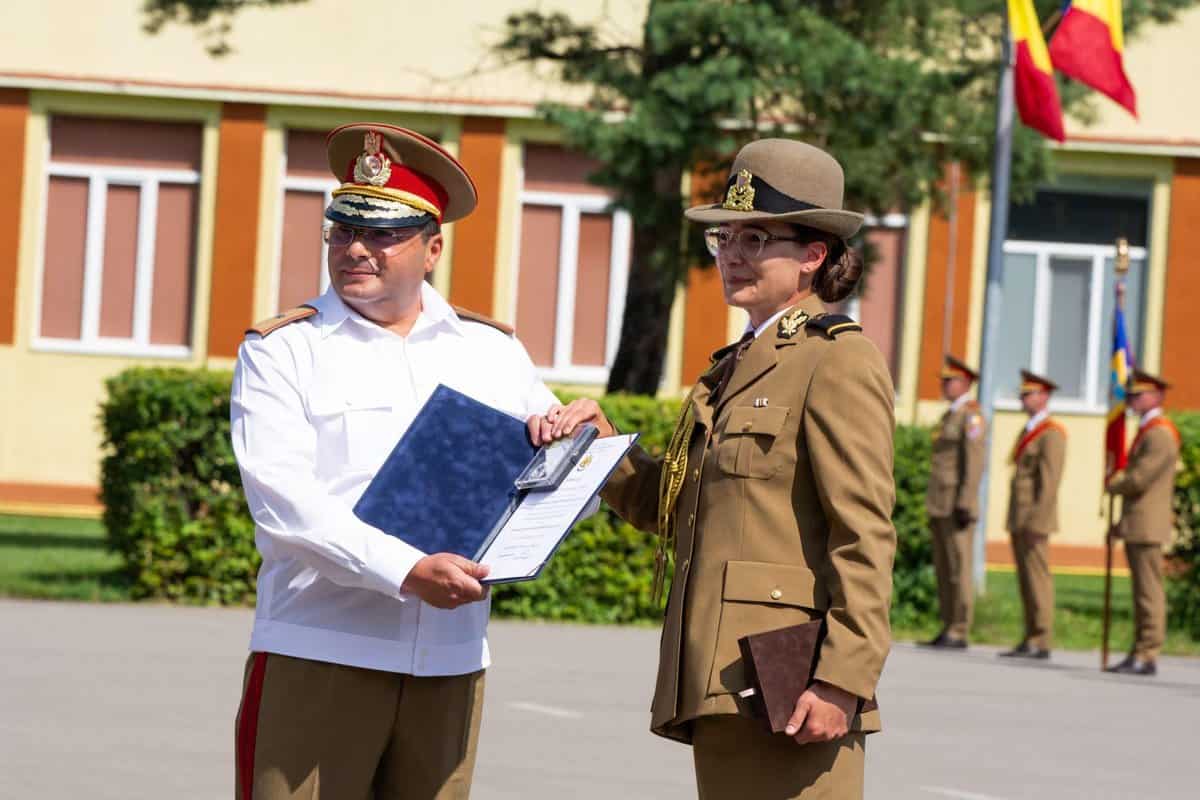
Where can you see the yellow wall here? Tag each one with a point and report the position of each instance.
(366, 52)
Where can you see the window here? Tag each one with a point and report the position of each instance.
(119, 237)
(573, 265)
(1059, 293)
(305, 191)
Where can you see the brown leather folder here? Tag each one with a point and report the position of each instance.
(779, 666)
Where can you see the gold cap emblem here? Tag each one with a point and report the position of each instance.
(740, 196)
(372, 166)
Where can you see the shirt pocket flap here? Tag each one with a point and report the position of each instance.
(764, 582)
(766, 420)
(330, 402)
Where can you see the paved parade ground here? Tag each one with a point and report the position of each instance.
(124, 701)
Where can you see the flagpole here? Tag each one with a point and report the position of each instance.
(1121, 267)
(994, 298)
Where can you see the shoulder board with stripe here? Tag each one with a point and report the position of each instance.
(832, 325)
(471, 316)
(266, 326)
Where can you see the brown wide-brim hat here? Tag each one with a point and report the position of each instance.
(1036, 383)
(394, 177)
(782, 180)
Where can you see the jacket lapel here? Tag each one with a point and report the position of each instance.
(762, 356)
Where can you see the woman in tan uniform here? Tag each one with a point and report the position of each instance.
(776, 492)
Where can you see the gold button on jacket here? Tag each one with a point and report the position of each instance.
(792, 519)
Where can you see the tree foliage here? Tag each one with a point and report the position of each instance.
(895, 89)
(213, 18)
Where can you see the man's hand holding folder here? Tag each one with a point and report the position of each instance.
(447, 580)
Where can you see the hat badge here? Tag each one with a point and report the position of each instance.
(372, 165)
(740, 196)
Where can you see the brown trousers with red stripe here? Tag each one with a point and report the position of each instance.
(310, 729)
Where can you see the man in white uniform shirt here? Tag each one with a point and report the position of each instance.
(365, 677)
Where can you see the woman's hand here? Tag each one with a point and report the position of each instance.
(823, 713)
(561, 421)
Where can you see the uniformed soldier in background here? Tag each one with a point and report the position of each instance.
(1037, 460)
(952, 501)
(1147, 485)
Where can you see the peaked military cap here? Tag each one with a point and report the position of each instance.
(394, 178)
(1142, 381)
(1036, 383)
(783, 180)
(955, 368)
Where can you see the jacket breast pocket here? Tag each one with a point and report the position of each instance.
(353, 433)
(751, 445)
(757, 597)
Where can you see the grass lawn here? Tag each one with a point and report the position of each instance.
(65, 559)
(1079, 606)
(57, 559)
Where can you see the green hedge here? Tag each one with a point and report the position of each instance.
(1183, 584)
(174, 509)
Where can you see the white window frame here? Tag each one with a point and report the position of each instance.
(571, 206)
(298, 183)
(99, 178)
(1095, 380)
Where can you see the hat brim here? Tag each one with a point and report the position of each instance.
(366, 211)
(840, 223)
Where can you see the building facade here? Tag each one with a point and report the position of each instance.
(155, 201)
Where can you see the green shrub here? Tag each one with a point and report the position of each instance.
(914, 584)
(1183, 583)
(173, 505)
(174, 509)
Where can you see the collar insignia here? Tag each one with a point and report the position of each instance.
(372, 166)
(740, 196)
(790, 324)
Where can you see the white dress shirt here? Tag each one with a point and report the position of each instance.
(316, 408)
(1149, 415)
(1036, 419)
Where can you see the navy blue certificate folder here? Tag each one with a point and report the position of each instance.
(449, 484)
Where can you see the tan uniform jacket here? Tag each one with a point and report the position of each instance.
(1033, 499)
(784, 517)
(1148, 486)
(956, 463)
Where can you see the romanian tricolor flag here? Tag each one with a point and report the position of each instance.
(1037, 94)
(1122, 364)
(1088, 46)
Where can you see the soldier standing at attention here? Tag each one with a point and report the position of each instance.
(1037, 462)
(1147, 485)
(952, 501)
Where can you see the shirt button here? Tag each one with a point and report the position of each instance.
(696, 474)
(776, 594)
(747, 426)
(691, 520)
(686, 563)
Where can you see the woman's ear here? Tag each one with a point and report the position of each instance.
(814, 257)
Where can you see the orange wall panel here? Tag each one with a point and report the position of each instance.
(14, 111)
(705, 314)
(235, 237)
(936, 279)
(481, 151)
(1183, 287)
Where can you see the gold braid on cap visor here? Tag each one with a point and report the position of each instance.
(397, 195)
(674, 468)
